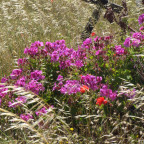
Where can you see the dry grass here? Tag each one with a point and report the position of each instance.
(25, 21)
(124, 128)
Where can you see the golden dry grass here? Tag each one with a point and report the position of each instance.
(25, 21)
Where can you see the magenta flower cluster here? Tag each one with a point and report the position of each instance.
(135, 40)
(64, 56)
(141, 28)
(70, 87)
(34, 49)
(3, 90)
(67, 57)
(37, 75)
(44, 110)
(104, 91)
(35, 86)
(15, 73)
(19, 101)
(30, 82)
(22, 61)
(74, 86)
(91, 81)
(26, 117)
(119, 50)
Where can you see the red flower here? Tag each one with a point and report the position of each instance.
(84, 88)
(93, 34)
(101, 101)
(114, 55)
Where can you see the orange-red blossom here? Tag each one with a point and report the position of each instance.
(93, 34)
(101, 101)
(84, 88)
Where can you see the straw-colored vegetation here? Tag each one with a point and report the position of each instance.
(54, 127)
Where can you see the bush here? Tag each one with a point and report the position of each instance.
(59, 94)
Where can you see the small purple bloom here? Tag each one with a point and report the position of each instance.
(60, 78)
(54, 56)
(38, 44)
(98, 52)
(141, 19)
(54, 87)
(107, 38)
(68, 63)
(127, 42)
(141, 28)
(62, 64)
(41, 111)
(99, 79)
(104, 91)
(26, 50)
(57, 86)
(19, 101)
(3, 90)
(118, 46)
(137, 35)
(37, 75)
(49, 47)
(35, 86)
(70, 87)
(96, 39)
(136, 42)
(91, 81)
(22, 61)
(44, 110)
(44, 52)
(79, 63)
(32, 51)
(15, 73)
(4, 79)
(87, 43)
(26, 117)
(119, 50)
(21, 82)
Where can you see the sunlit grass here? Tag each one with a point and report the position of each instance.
(25, 21)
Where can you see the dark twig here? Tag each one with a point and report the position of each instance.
(103, 2)
(109, 15)
(96, 14)
(91, 23)
(122, 23)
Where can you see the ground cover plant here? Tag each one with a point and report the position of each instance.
(92, 93)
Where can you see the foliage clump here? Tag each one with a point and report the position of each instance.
(64, 95)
